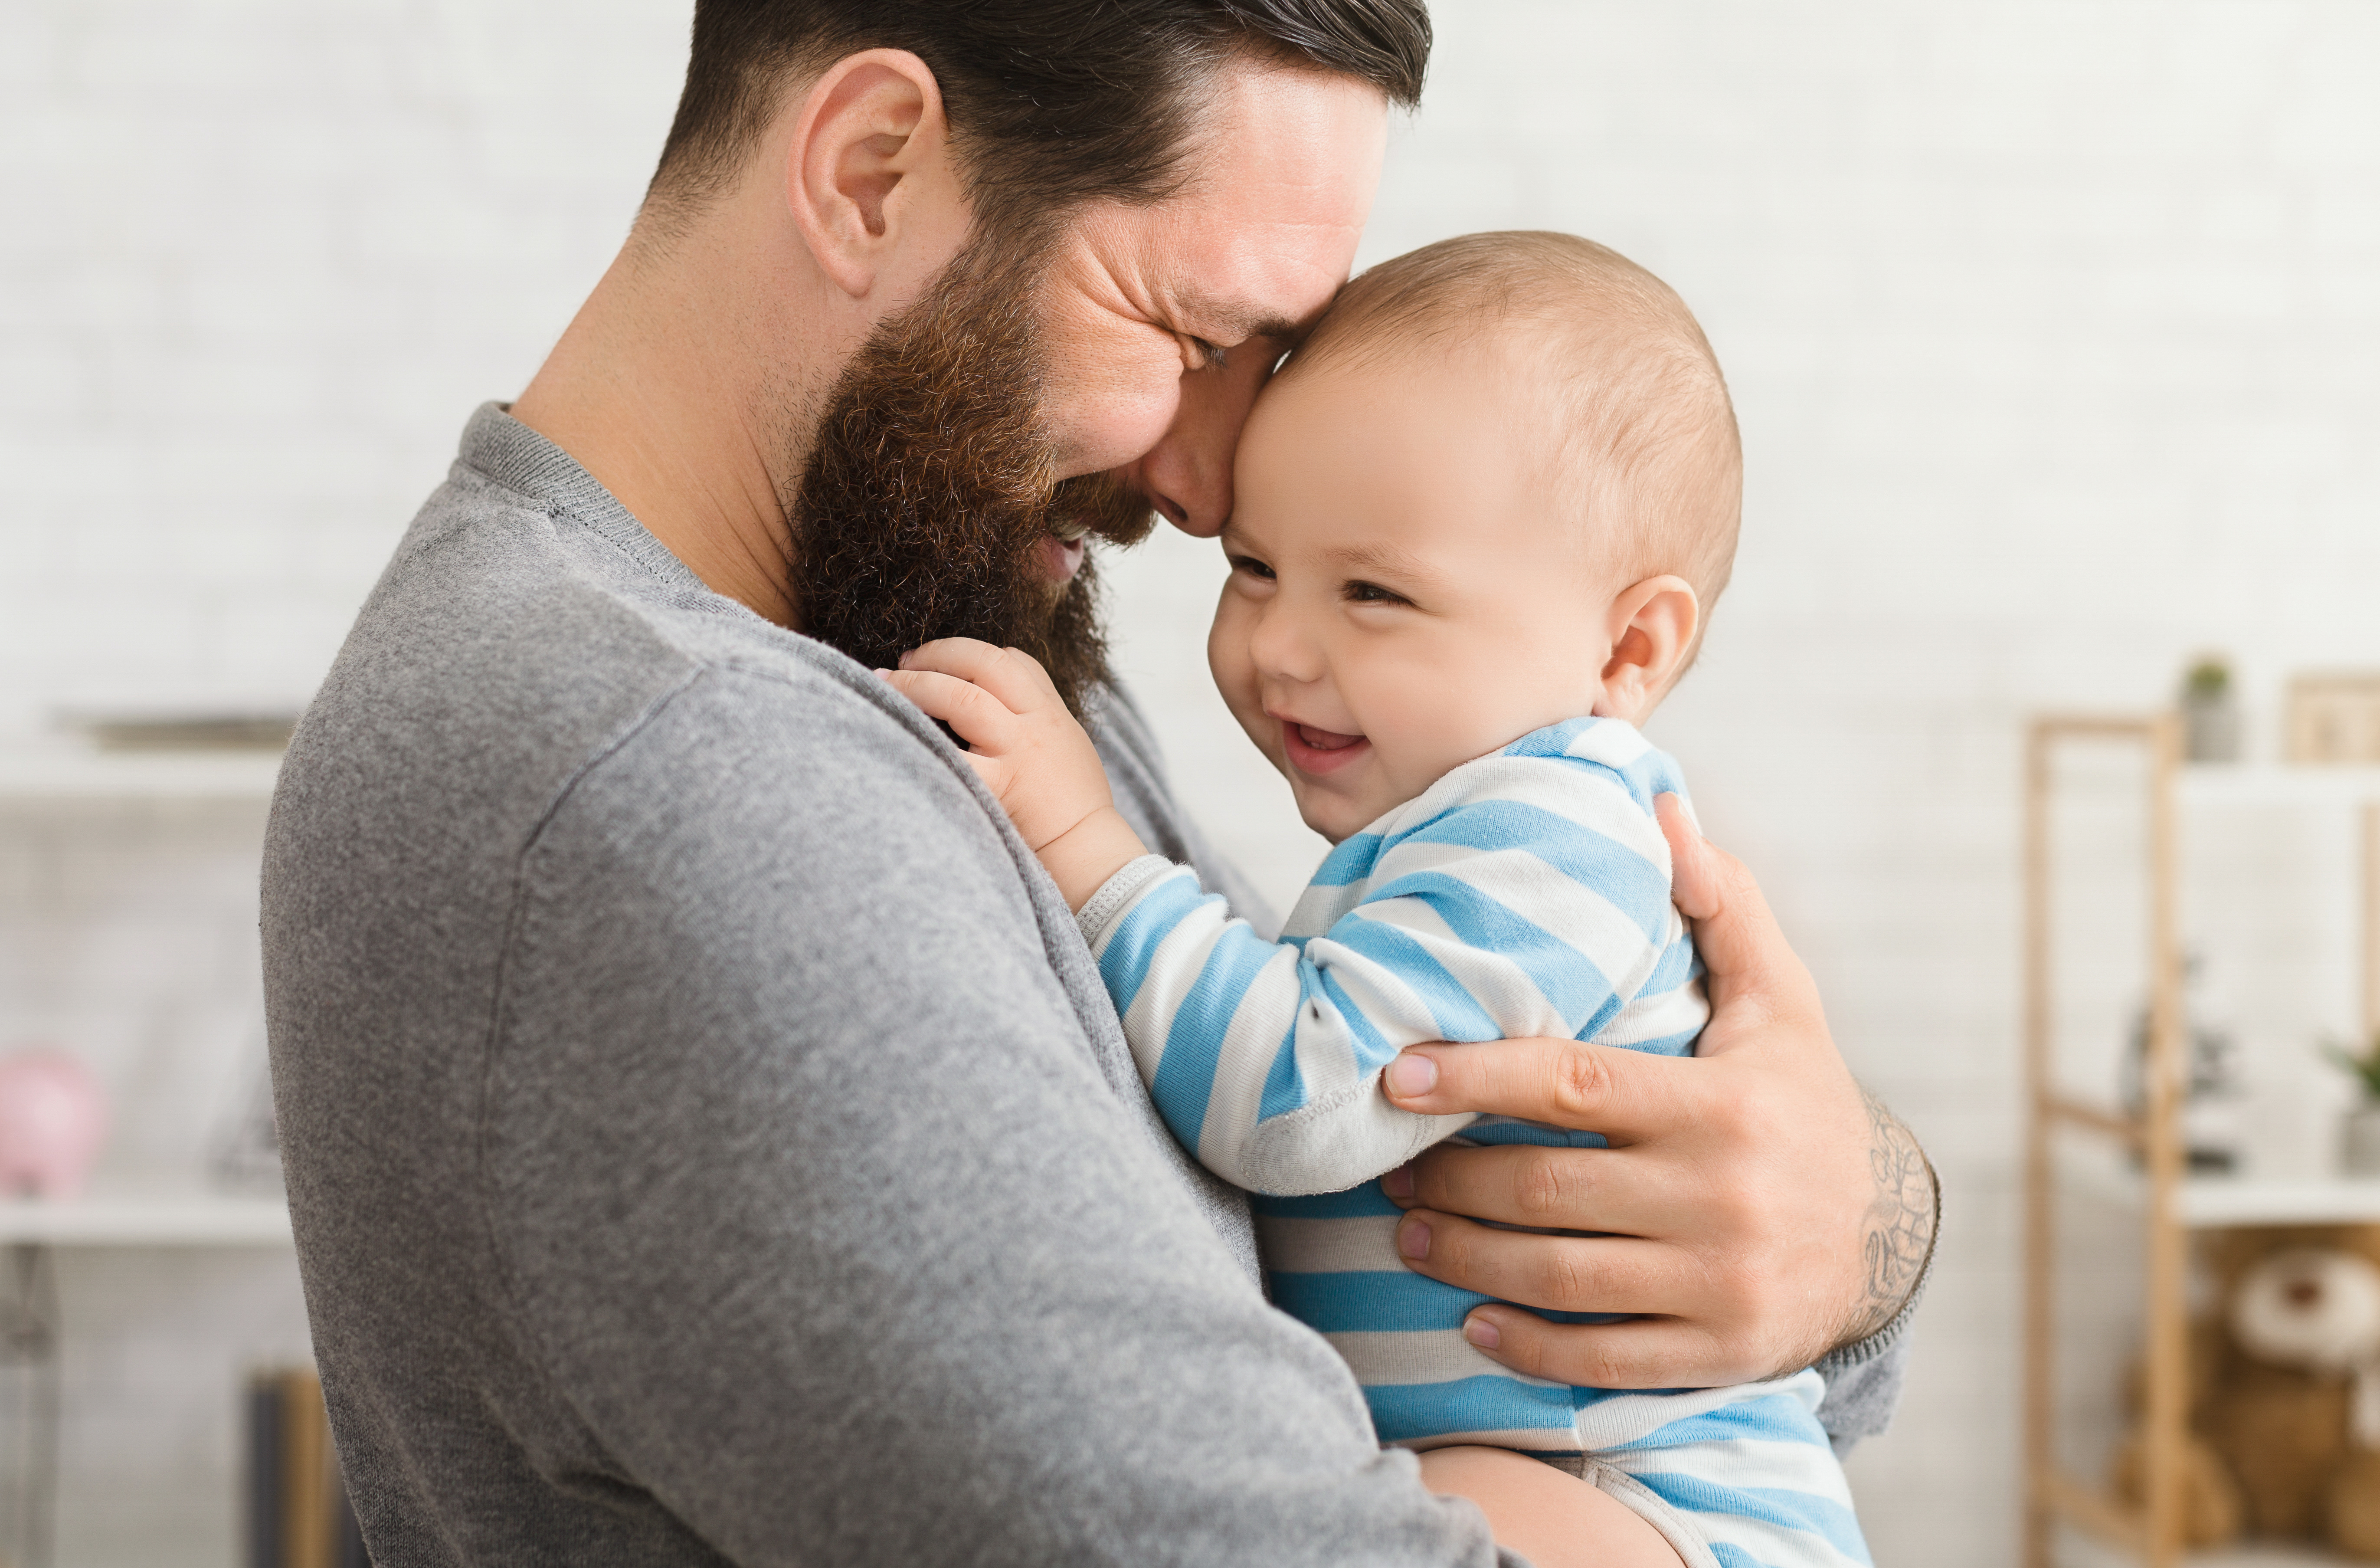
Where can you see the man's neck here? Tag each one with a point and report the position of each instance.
(658, 389)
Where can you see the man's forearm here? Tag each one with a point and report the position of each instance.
(1897, 1237)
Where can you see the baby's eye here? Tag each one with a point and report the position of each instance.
(1251, 566)
(1372, 593)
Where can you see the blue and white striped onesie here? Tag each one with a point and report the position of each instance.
(1527, 892)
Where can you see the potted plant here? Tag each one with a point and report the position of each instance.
(2359, 1148)
(2210, 717)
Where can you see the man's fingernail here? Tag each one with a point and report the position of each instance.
(1412, 1074)
(1481, 1332)
(1398, 1182)
(884, 672)
(1413, 1239)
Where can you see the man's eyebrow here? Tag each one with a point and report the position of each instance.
(1233, 323)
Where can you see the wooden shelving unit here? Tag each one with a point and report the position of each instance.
(2172, 1204)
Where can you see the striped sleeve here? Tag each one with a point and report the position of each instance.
(1532, 900)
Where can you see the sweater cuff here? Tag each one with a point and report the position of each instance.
(1119, 894)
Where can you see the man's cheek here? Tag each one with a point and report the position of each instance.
(1111, 414)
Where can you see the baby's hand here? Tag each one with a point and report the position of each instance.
(1038, 762)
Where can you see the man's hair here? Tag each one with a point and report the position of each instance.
(1051, 102)
(1640, 434)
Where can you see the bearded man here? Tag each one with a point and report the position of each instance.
(708, 1139)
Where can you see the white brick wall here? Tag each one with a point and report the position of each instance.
(2051, 328)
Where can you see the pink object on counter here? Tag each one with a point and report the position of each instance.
(52, 1119)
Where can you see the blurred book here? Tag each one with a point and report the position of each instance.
(298, 1516)
(2334, 718)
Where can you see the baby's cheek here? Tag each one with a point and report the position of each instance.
(1231, 662)
(1422, 713)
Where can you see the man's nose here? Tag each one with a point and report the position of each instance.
(1187, 475)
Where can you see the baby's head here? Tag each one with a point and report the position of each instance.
(1496, 489)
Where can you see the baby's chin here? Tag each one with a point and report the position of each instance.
(1318, 809)
(1335, 817)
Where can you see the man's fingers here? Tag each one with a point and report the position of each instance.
(1692, 885)
(979, 718)
(1569, 1083)
(1009, 674)
(1736, 935)
(1550, 1188)
(1645, 1353)
(1552, 1273)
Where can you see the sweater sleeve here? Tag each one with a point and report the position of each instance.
(1495, 918)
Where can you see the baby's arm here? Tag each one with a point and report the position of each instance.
(1036, 760)
(1263, 1057)
(1498, 918)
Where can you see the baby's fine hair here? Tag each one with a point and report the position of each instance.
(1640, 436)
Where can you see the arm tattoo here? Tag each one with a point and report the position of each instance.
(1898, 1227)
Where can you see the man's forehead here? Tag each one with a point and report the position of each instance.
(1264, 229)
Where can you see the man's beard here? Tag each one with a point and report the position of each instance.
(923, 509)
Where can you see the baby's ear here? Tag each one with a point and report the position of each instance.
(1652, 628)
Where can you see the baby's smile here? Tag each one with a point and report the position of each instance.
(1313, 751)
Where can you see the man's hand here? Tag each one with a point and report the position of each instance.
(1761, 1208)
(1036, 760)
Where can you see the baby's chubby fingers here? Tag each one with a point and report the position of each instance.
(1012, 675)
(1038, 761)
(977, 717)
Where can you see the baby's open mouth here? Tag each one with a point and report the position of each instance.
(1313, 751)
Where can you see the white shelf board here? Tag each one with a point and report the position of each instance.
(2213, 1202)
(2333, 1200)
(64, 774)
(155, 1219)
(2265, 783)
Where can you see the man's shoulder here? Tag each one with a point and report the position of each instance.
(515, 656)
(753, 770)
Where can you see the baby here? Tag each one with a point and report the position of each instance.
(1481, 514)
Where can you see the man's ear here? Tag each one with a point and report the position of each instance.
(1653, 626)
(869, 166)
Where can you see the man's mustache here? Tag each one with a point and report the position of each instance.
(1103, 504)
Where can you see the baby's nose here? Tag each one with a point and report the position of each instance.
(1283, 651)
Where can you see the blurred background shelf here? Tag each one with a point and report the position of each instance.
(2239, 783)
(150, 1218)
(69, 774)
(2211, 1202)
(2083, 1552)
